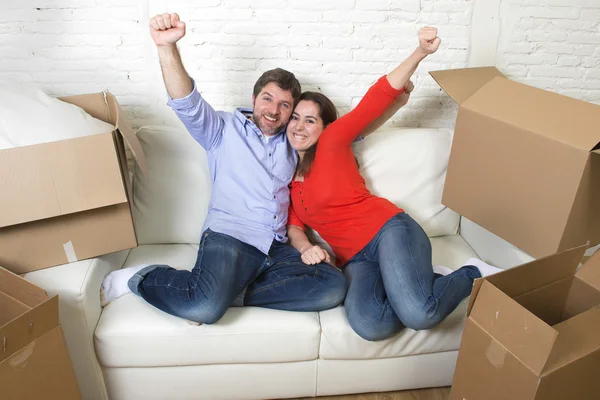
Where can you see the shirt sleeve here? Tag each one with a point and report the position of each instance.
(293, 218)
(200, 119)
(345, 129)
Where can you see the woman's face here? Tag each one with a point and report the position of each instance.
(305, 126)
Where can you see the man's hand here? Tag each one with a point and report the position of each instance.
(166, 29)
(314, 255)
(429, 42)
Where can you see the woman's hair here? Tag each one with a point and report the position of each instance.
(328, 114)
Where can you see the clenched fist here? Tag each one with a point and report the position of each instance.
(429, 42)
(166, 29)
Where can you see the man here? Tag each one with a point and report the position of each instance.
(243, 252)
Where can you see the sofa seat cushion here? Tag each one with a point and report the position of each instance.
(339, 342)
(132, 333)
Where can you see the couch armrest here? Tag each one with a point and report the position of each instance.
(490, 247)
(78, 288)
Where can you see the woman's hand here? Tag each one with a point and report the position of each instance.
(314, 255)
(429, 42)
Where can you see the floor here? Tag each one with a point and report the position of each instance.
(423, 394)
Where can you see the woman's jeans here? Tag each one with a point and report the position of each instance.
(227, 269)
(392, 284)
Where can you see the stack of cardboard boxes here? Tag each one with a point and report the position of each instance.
(525, 165)
(61, 202)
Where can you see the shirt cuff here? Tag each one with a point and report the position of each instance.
(185, 102)
(388, 89)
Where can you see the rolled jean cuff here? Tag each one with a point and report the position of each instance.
(138, 277)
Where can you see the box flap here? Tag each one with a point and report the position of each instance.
(557, 117)
(104, 106)
(20, 289)
(59, 178)
(27, 327)
(127, 133)
(590, 271)
(460, 84)
(532, 275)
(577, 337)
(519, 331)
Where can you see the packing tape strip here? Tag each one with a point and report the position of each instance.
(70, 251)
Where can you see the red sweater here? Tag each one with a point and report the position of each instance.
(333, 199)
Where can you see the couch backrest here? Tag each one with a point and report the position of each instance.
(407, 166)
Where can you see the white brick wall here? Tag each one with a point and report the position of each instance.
(552, 44)
(337, 46)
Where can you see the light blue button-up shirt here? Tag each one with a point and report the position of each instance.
(250, 176)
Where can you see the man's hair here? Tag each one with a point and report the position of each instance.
(282, 78)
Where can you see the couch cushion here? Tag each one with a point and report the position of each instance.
(171, 200)
(339, 342)
(132, 333)
(408, 167)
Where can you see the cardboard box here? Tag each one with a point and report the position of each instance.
(34, 362)
(68, 200)
(525, 162)
(532, 332)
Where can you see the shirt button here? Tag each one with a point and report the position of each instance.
(274, 216)
(306, 208)
(303, 200)
(274, 197)
(269, 154)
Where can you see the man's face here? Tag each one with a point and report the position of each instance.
(273, 107)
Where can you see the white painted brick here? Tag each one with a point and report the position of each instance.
(295, 16)
(554, 35)
(402, 17)
(337, 42)
(255, 52)
(559, 48)
(381, 5)
(253, 4)
(320, 29)
(586, 50)
(219, 14)
(10, 28)
(256, 29)
(550, 12)
(560, 72)
(321, 4)
(576, 37)
(589, 14)
(222, 39)
(354, 16)
(406, 5)
(320, 54)
(303, 40)
(569, 61)
(590, 62)
(534, 59)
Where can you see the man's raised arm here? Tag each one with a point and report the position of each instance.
(166, 29)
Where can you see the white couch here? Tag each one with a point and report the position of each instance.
(130, 350)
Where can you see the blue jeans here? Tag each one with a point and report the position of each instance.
(227, 268)
(392, 284)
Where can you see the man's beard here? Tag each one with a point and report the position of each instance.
(265, 129)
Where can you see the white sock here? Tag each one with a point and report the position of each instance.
(115, 283)
(440, 269)
(484, 268)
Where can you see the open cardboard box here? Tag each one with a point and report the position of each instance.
(34, 362)
(525, 162)
(71, 199)
(533, 332)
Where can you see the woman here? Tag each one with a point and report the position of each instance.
(385, 254)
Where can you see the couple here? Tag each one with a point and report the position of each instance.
(388, 281)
